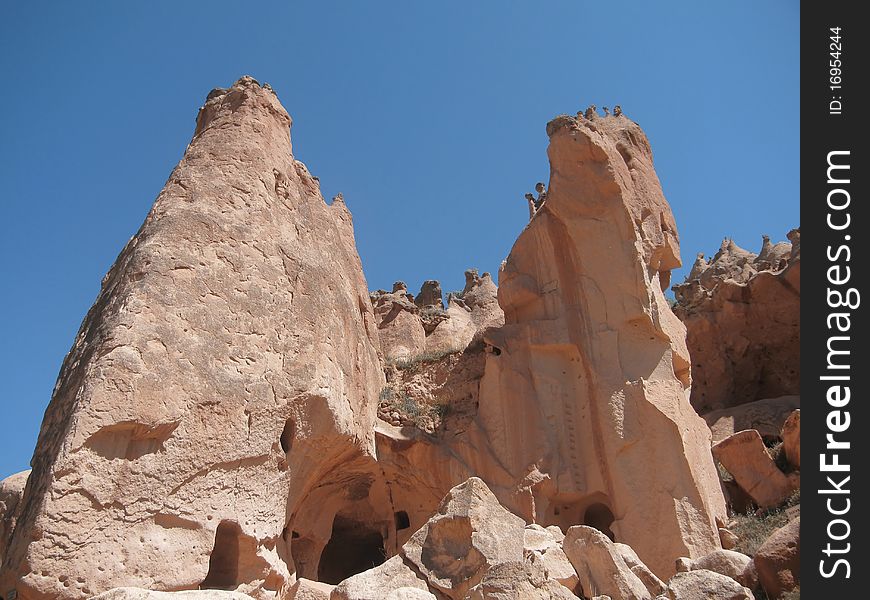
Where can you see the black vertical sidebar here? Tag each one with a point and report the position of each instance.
(835, 346)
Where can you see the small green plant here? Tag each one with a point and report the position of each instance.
(387, 395)
(753, 530)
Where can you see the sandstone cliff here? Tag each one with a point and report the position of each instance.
(742, 314)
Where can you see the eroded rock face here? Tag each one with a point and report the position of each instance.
(232, 340)
(742, 313)
(587, 382)
(11, 492)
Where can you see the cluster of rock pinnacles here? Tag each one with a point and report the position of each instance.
(239, 415)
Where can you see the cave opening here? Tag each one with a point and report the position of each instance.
(288, 435)
(353, 548)
(600, 517)
(223, 564)
(403, 521)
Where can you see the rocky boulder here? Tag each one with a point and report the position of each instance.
(735, 565)
(470, 534)
(706, 585)
(746, 458)
(778, 560)
(545, 545)
(601, 567)
(378, 583)
(305, 589)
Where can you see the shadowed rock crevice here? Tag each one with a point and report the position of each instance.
(354, 547)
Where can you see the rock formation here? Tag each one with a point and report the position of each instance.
(778, 561)
(232, 340)
(587, 385)
(742, 314)
(215, 424)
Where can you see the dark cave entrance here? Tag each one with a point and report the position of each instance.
(223, 565)
(600, 517)
(353, 548)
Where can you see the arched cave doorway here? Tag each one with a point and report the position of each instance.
(353, 548)
(223, 565)
(600, 517)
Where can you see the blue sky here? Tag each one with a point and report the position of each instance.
(429, 116)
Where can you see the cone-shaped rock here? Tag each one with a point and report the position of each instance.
(232, 340)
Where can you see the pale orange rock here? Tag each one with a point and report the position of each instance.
(742, 313)
(400, 329)
(585, 386)
(232, 340)
(745, 457)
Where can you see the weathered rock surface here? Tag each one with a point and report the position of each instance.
(706, 585)
(601, 567)
(470, 534)
(778, 561)
(742, 314)
(380, 582)
(745, 457)
(766, 416)
(132, 593)
(305, 589)
(232, 340)
(653, 584)
(586, 383)
(735, 565)
(519, 581)
(791, 439)
(546, 546)
(11, 492)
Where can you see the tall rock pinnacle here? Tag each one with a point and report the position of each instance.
(588, 390)
(234, 327)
